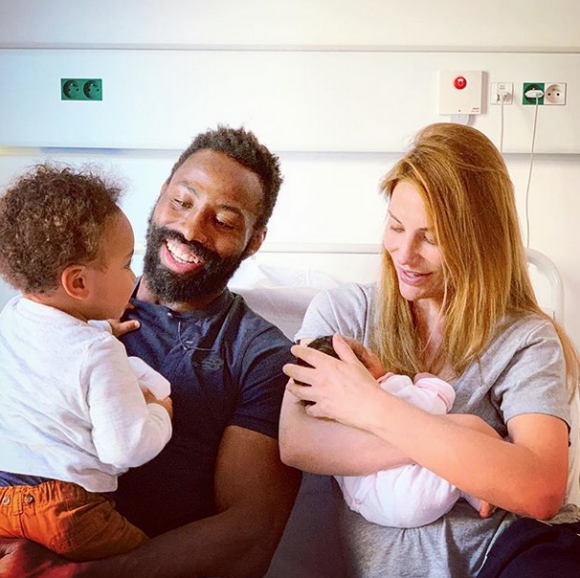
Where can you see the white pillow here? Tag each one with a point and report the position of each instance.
(279, 294)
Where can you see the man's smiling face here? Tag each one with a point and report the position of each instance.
(202, 228)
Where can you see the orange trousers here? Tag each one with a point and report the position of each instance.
(68, 520)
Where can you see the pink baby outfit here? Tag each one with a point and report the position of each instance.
(407, 496)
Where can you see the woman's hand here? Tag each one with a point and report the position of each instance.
(341, 389)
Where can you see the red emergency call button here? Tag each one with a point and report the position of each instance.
(460, 83)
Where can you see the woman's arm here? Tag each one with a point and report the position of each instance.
(323, 446)
(526, 475)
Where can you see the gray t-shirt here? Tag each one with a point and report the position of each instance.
(522, 371)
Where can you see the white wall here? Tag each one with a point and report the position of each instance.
(328, 197)
(340, 101)
(533, 24)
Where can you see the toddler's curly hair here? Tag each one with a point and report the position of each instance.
(52, 217)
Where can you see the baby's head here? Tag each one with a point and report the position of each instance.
(323, 344)
(61, 231)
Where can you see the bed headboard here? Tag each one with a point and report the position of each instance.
(281, 279)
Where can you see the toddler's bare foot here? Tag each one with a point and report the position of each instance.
(486, 509)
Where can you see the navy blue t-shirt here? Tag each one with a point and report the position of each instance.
(224, 364)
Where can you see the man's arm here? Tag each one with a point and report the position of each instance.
(24, 559)
(254, 495)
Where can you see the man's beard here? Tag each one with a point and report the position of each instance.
(171, 287)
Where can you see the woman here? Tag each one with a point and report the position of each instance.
(454, 299)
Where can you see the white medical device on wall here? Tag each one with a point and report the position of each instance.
(460, 92)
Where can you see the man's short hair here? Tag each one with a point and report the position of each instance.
(242, 146)
(52, 217)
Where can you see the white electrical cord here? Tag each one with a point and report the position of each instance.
(537, 97)
(502, 101)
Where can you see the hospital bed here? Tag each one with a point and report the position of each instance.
(279, 282)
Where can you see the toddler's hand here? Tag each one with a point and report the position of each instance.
(166, 402)
(149, 397)
(121, 327)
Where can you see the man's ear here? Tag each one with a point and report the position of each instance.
(256, 241)
(74, 281)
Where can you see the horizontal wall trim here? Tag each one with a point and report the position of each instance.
(291, 48)
(24, 151)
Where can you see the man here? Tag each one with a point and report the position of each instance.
(217, 497)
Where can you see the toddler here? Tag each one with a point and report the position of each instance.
(73, 416)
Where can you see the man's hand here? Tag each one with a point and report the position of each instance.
(24, 559)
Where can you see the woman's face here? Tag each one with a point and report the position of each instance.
(411, 244)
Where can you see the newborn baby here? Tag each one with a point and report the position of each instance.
(407, 496)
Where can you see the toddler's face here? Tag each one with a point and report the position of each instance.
(111, 278)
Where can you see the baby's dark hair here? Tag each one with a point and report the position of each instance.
(242, 146)
(52, 217)
(323, 344)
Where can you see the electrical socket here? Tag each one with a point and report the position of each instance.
(533, 86)
(70, 89)
(81, 89)
(555, 93)
(499, 89)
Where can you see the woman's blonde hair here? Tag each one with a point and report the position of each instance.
(470, 204)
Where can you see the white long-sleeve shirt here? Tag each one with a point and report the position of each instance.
(71, 407)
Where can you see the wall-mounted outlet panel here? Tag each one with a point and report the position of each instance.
(81, 89)
(533, 86)
(555, 93)
(501, 90)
